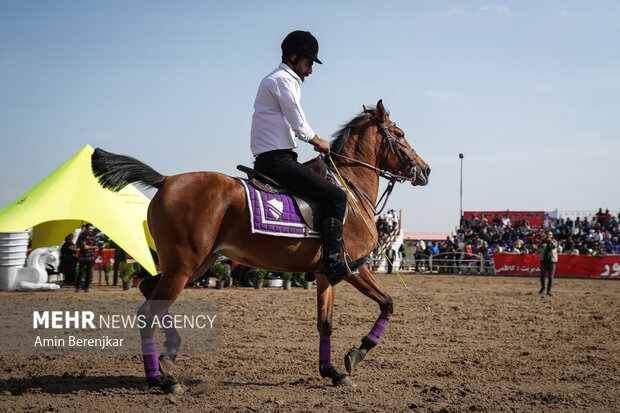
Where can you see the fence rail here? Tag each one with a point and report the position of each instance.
(445, 263)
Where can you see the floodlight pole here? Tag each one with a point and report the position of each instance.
(461, 198)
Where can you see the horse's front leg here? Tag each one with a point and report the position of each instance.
(325, 305)
(367, 285)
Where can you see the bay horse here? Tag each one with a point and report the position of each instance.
(195, 217)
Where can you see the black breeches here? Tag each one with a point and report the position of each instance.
(282, 166)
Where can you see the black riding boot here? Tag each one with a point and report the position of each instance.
(336, 270)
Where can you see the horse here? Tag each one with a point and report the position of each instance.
(195, 217)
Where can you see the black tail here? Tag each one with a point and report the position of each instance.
(114, 172)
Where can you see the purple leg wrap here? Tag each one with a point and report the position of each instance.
(149, 356)
(325, 351)
(171, 333)
(380, 324)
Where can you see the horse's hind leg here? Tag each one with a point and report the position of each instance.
(165, 292)
(173, 339)
(147, 286)
(325, 305)
(368, 286)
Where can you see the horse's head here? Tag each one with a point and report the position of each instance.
(373, 140)
(394, 153)
(44, 257)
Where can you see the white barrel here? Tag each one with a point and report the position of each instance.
(273, 282)
(13, 249)
(17, 235)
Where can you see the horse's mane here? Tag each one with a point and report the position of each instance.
(342, 135)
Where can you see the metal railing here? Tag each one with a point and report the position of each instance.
(444, 263)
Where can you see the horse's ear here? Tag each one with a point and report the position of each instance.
(367, 112)
(381, 112)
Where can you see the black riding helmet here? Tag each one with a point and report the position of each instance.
(300, 43)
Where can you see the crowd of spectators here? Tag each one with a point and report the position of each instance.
(477, 239)
(386, 224)
(599, 235)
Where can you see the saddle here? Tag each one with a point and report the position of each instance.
(309, 208)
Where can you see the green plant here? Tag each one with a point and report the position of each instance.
(260, 275)
(287, 276)
(107, 268)
(218, 270)
(302, 276)
(126, 271)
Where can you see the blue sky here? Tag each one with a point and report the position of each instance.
(529, 91)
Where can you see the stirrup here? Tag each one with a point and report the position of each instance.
(345, 269)
(353, 266)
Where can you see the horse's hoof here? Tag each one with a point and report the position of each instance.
(172, 349)
(343, 381)
(165, 364)
(352, 358)
(338, 379)
(166, 383)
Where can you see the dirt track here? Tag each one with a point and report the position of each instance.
(490, 344)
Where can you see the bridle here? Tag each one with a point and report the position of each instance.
(396, 147)
(399, 149)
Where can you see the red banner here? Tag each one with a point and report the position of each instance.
(567, 265)
(535, 218)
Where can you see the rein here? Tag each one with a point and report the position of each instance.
(382, 172)
(365, 197)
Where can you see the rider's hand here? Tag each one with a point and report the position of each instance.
(319, 144)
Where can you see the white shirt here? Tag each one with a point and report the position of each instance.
(278, 117)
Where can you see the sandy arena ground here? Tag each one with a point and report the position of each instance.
(490, 344)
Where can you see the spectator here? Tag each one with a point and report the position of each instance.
(403, 255)
(433, 249)
(499, 248)
(517, 246)
(420, 254)
(87, 243)
(390, 254)
(600, 216)
(496, 221)
(484, 222)
(394, 222)
(506, 221)
(548, 257)
(119, 256)
(452, 256)
(389, 218)
(68, 259)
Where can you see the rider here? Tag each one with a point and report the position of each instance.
(277, 120)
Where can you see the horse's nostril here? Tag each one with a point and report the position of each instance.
(427, 171)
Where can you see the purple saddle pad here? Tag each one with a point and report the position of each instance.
(275, 214)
